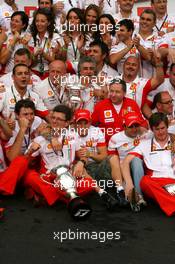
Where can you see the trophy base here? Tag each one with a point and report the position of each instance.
(79, 209)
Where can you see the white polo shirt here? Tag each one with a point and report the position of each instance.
(152, 42)
(119, 47)
(135, 19)
(121, 144)
(5, 15)
(49, 95)
(158, 161)
(46, 44)
(138, 90)
(7, 80)
(29, 136)
(9, 98)
(10, 63)
(166, 22)
(52, 159)
(93, 140)
(108, 72)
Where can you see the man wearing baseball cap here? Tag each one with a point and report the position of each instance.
(125, 141)
(103, 168)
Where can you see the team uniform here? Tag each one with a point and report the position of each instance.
(135, 19)
(110, 117)
(9, 98)
(5, 15)
(50, 160)
(41, 68)
(119, 47)
(165, 23)
(49, 93)
(7, 80)
(160, 172)
(10, 63)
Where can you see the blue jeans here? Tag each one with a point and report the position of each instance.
(137, 173)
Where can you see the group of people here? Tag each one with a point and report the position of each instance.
(91, 86)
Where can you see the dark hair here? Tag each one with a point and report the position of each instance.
(23, 51)
(156, 118)
(26, 103)
(157, 99)
(19, 65)
(85, 59)
(112, 21)
(78, 12)
(24, 18)
(92, 7)
(119, 81)
(150, 12)
(103, 46)
(51, 19)
(65, 110)
(127, 23)
(51, 1)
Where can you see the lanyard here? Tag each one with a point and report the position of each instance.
(14, 96)
(55, 92)
(75, 49)
(153, 147)
(159, 29)
(70, 2)
(27, 142)
(109, 2)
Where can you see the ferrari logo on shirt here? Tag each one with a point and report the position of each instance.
(133, 50)
(12, 101)
(125, 145)
(49, 146)
(165, 25)
(6, 14)
(50, 93)
(66, 141)
(91, 93)
(89, 143)
(108, 113)
(136, 142)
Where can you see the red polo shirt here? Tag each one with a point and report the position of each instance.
(111, 122)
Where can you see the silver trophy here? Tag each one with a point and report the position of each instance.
(77, 207)
(75, 95)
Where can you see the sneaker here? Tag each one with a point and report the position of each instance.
(121, 199)
(109, 200)
(134, 201)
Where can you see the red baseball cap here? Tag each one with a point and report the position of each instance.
(132, 118)
(82, 114)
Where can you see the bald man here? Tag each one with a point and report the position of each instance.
(52, 89)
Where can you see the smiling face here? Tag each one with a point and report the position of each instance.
(16, 24)
(146, 23)
(96, 53)
(41, 23)
(131, 67)
(160, 7)
(126, 5)
(91, 17)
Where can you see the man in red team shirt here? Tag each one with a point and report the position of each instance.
(108, 114)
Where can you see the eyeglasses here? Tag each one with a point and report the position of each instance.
(168, 102)
(58, 119)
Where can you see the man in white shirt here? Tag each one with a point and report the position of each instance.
(158, 155)
(6, 10)
(53, 90)
(23, 56)
(164, 21)
(105, 169)
(20, 90)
